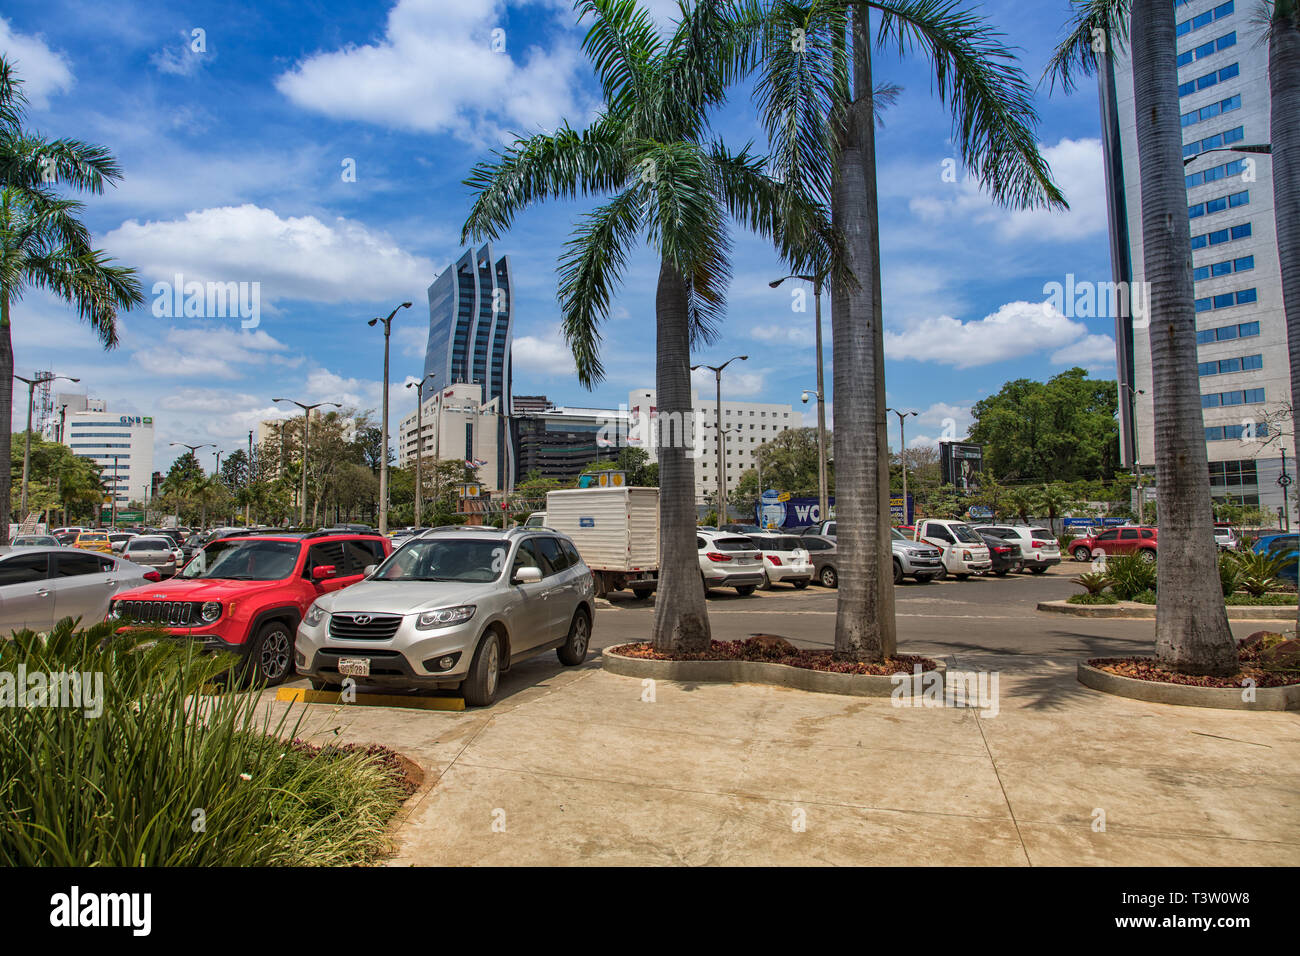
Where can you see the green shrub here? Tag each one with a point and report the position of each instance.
(1129, 575)
(1263, 600)
(1229, 574)
(1094, 582)
(1144, 597)
(1101, 598)
(1259, 572)
(160, 771)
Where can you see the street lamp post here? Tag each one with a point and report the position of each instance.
(248, 481)
(822, 495)
(194, 449)
(1284, 480)
(902, 452)
(722, 475)
(419, 447)
(27, 438)
(112, 520)
(1133, 393)
(306, 433)
(383, 425)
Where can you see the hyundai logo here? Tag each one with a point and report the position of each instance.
(361, 619)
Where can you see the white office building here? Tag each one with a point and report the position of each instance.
(1241, 330)
(457, 426)
(746, 427)
(122, 445)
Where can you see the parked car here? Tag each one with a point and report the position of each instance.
(964, 551)
(453, 608)
(742, 528)
(823, 554)
(785, 560)
(118, 539)
(1004, 554)
(154, 551)
(94, 541)
(42, 585)
(1226, 538)
(919, 560)
(728, 561)
(35, 541)
(1039, 548)
(1123, 540)
(246, 595)
(824, 528)
(1286, 543)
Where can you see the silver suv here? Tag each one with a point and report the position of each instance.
(453, 607)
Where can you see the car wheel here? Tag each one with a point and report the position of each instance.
(1038, 570)
(270, 656)
(924, 578)
(1148, 556)
(799, 585)
(1082, 554)
(767, 582)
(829, 578)
(745, 590)
(898, 573)
(704, 583)
(1003, 573)
(642, 593)
(480, 687)
(962, 577)
(574, 649)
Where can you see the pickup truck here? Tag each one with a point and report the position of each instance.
(964, 550)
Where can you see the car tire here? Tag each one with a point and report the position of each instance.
(1038, 570)
(1147, 555)
(898, 573)
(1003, 573)
(574, 649)
(828, 577)
(799, 585)
(962, 577)
(1082, 554)
(270, 655)
(767, 582)
(642, 593)
(745, 590)
(704, 583)
(924, 578)
(480, 686)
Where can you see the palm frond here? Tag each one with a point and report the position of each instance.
(91, 283)
(28, 159)
(1093, 24)
(621, 43)
(13, 101)
(979, 78)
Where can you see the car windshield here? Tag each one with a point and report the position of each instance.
(966, 534)
(244, 560)
(733, 544)
(473, 561)
(898, 535)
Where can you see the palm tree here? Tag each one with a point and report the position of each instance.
(1192, 633)
(817, 101)
(672, 188)
(44, 245)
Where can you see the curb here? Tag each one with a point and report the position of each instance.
(1186, 695)
(1147, 612)
(762, 672)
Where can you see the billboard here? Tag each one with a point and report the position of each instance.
(960, 465)
(899, 514)
(778, 509)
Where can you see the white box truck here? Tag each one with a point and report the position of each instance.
(616, 531)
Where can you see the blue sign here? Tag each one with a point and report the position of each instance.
(772, 512)
(586, 522)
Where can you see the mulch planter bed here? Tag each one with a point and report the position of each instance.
(791, 657)
(1148, 669)
(404, 772)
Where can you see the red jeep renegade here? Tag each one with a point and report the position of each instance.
(247, 594)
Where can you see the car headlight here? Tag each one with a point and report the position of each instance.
(210, 611)
(445, 617)
(315, 614)
(112, 611)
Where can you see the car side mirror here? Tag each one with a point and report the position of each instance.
(323, 571)
(528, 575)
(370, 569)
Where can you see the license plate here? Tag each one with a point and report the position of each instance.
(354, 666)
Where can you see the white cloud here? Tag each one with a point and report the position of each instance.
(802, 336)
(44, 72)
(543, 357)
(940, 422)
(293, 258)
(1092, 352)
(1076, 168)
(436, 70)
(1016, 329)
(223, 353)
(181, 59)
(736, 383)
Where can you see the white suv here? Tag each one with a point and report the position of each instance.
(729, 560)
(784, 559)
(453, 607)
(1039, 546)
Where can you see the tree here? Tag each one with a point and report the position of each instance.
(59, 478)
(641, 472)
(820, 115)
(672, 187)
(1192, 633)
(1063, 429)
(44, 244)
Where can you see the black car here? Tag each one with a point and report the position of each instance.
(1005, 554)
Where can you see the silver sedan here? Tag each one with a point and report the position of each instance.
(39, 586)
(154, 551)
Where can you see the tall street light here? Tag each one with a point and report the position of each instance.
(1133, 393)
(722, 475)
(419, 447)
(27, 439)
(902, 453)
(817, 282)
(194, 450)
(306, 433)
(383, 426)
(248, 479)
(112, 521)
(823, 491)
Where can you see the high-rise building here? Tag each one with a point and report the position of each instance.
(1241, 330)
(456, 427)
(121, 445)
(471, 319)
(559, 441)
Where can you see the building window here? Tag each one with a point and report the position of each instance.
(1203, 19)
(1219, 236)
(1215, 173)
(1209, 79)
(1231, 432)
(1226, 333)
(1233, 473)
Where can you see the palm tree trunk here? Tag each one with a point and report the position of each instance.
(1284, 132)
(681, 619)
(6, 413)
(1192, 633)
(864, 619)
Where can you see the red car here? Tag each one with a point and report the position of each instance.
(1140, 541)
(246, 595)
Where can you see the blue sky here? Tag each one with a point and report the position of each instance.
(235, 159)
